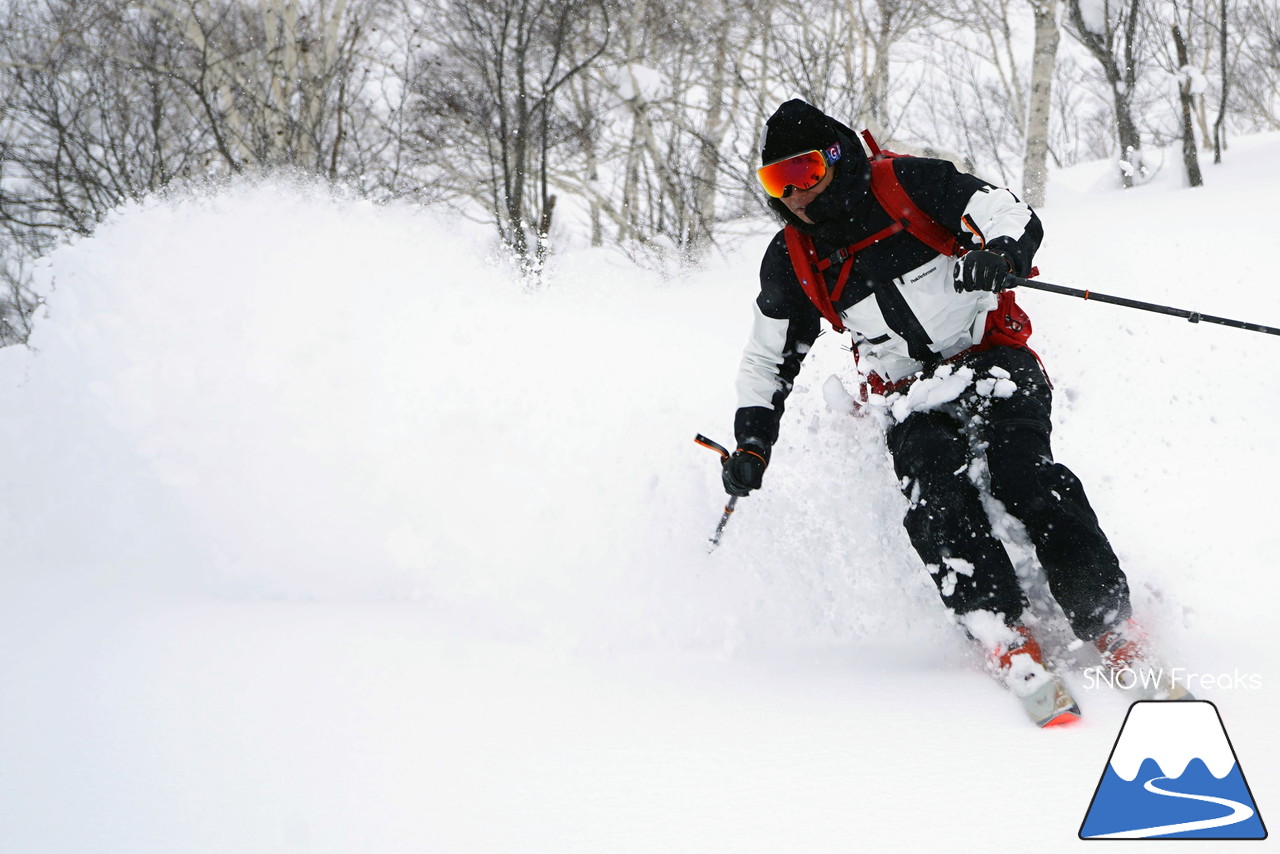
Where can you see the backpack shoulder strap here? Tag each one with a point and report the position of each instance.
(876, 153)
(803, 258)
(893, 197)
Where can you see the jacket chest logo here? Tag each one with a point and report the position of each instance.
(927, 272)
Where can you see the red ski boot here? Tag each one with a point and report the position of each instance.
(1019, 664)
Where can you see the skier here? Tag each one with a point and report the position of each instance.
(927, 316)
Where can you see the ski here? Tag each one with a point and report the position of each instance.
(1016, 660)
(1051, 704)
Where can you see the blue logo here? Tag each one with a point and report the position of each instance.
(1173, 774)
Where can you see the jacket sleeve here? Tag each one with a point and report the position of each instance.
(980, 214)
(784, 327)
(996, 219)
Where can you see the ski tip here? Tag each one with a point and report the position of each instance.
(1064, 718)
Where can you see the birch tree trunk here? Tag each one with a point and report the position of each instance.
(713, 132)
(1045, 53)
(1190, 157)
(879, 83)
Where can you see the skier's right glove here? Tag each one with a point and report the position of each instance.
(744, 469)
(982, 270)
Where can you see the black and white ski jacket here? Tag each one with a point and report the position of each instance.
(900, 302)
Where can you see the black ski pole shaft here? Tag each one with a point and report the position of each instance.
(1193, 316)
(724, 520)
(733, 499)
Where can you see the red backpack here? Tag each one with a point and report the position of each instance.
(1007, 325)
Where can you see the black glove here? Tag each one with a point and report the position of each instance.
(982, 270)
(744, 469)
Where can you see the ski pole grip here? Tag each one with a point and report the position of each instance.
(715, 446)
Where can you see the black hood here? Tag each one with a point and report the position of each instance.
(803, 127)
(794, 128)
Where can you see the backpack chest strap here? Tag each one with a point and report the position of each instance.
(840, 256)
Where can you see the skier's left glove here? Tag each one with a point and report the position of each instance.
(744, 469)
(983, 270)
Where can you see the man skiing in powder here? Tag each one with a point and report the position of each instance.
(941, 340)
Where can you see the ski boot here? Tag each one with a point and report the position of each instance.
(1019, 665)
(1128, 653)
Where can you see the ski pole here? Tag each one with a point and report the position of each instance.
(733, 499)
(1193, 316)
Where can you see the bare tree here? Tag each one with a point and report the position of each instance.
(1256, 80)
(840, 56)
(1190, 158)
(664, 163)
(1219, 124)
(108, 100)
(648, 78)
(82, 130)
(493, 91)
(885, 23)
(275, 82)
(1110, 31)
(975, 96)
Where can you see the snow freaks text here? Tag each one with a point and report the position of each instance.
(1150, 678)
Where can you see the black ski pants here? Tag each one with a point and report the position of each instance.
(933, 454)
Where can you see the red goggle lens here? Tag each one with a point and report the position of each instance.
(802, 171)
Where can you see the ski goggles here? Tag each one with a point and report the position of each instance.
(802, 171)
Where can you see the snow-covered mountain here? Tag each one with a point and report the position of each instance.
(1173, 739)
(321, 534)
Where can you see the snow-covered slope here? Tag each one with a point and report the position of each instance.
(322, 535)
